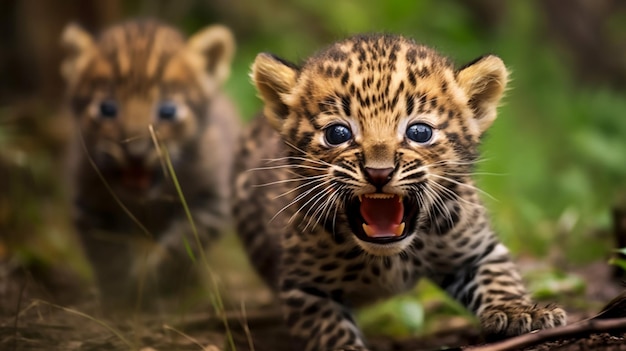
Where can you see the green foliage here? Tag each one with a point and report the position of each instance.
(619, 261)
(397, 317)
(417, 312)
(554, 284)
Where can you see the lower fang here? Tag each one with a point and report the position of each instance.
(368, 230)
(400, 229)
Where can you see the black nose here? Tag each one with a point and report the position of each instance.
(378, 176)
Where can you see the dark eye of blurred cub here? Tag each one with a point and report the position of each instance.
(167, 111)
(108, 109)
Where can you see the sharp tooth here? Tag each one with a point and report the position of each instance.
(400, 229)
(400, 199)
(361, 198)
(368, 230)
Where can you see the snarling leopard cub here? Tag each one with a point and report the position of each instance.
(145, 98)
(359, 185)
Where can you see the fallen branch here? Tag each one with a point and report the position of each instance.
(576, 330)
(252, 318)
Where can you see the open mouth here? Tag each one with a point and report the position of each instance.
(139, 178)
(381, 218)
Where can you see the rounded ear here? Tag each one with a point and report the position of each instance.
(274, 79)
(483, 81)
(215, 45)
(77, 43)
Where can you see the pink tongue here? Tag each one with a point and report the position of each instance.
(382, 215)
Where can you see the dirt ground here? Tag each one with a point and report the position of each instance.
(30, 321)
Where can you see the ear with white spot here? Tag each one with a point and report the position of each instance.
(483, 82)
(78, 45)
(215, 46)
(274, 79)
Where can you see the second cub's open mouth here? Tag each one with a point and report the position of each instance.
(380, 217)
(138, 179)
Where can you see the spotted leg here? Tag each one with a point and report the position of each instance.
(492, 288)
(318, 321)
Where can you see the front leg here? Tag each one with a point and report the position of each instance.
(318, 321)
(168, 264)
(209, 213)
(492, 288)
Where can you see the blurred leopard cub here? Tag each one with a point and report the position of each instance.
(372, 144)
(135, 85)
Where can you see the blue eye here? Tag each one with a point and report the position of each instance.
(108, 109)
(167, 111)
(419, 133)
(337, 134)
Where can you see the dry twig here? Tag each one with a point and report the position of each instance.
(576, 330)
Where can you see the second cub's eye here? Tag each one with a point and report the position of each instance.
(167, 111)
(419, 133)
(108, 109)
(337, 134)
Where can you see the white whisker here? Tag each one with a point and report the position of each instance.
(320, 197)
(458, 163)
(319, 212)
(285, 166)
(441, 203)
(427, 202)
(476, 173)
(452, 193)
(315, 198)
(299, 187)
(472, 187)
(297, 158)
(298, 198)
(332, 202)
(310, 156)
(283, 181)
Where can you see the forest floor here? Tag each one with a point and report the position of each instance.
(49, 311)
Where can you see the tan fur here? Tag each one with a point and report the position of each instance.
(129, 214)
(342, 161)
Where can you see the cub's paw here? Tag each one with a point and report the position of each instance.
(505, 321)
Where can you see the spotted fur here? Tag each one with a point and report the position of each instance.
(301, 214)
(133, 85)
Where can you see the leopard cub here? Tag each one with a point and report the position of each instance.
(144, 100)
(371, 144)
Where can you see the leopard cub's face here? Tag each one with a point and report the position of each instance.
(138, 82)
(383, 133)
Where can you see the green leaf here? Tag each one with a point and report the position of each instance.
(396, 317)
(551, 284)
(620, 262)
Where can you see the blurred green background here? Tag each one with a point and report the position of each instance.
(554, 162)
